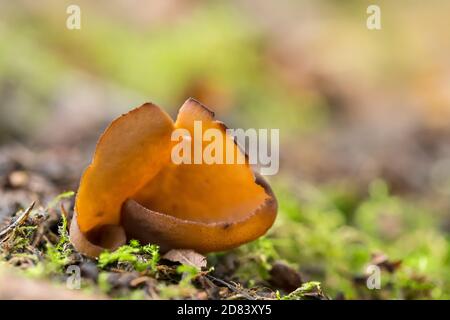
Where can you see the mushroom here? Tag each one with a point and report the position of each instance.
(132, 189)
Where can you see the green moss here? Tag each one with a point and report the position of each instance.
(62, 196)
(315, 233)
(255, 259)
(140, 257)
(188, 274)
(308, 290)
(21, 238)
(58, 255)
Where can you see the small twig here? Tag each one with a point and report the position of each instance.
(208, 285)
(39, 233)
(64, 213)
(19, 221)
(232, 288)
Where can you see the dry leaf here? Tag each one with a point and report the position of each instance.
(187, 257)
(284, 277)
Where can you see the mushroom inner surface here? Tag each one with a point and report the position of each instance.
(204, 193)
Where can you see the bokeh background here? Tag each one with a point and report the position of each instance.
(364, 116)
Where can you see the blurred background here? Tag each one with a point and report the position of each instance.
(364, 115)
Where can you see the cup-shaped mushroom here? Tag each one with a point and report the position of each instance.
(134, 189)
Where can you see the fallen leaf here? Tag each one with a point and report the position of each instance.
(187, 257)
(284, 277)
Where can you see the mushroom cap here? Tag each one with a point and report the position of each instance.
(133, 190)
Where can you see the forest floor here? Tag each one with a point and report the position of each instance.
(326, 244)
(35, 251)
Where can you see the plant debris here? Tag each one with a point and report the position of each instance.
(187, 257)
(19, 221)
(284, 277)
(310, 244)
(37, 244)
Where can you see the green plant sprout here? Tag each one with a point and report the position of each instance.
(140, 257)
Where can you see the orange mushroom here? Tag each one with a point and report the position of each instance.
(132, 189)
